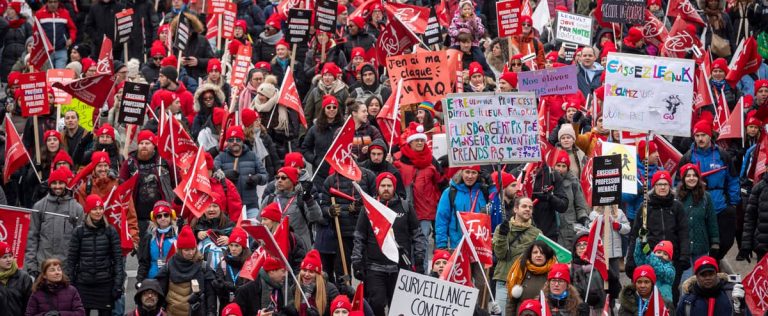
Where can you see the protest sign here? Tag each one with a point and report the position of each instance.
(215, 6)
(755, 286)
(439, 145)
(508, 17)
(491, 128)
(569, 53)
(82, 109)
(606, 177)
(240, 66)
(34, 96)
(325, 15)
(182, 33)
(64, 76)
(433, 33)
(14, 228)
(418, 294)
(623, 11)
(560, 80)
(574, 28)
(134, 103)
(124, 24)
(228, 17)
(644, 93)
(628, 156)
(425, 77)
(298, 25)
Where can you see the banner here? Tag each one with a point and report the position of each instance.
(606, 178)
(560, 80)
(64, 76)
(425, 77)
(569, 53)
(433, 35)
(134, 103)
(83, 111)
(182, 33)
(478, 227)
(325, 15)
(645, 93)
(418, 294)
(491, 128)
(508, 17)
(628, 154)
(298, 26)
(34, 94)
(240, 66)
(14, 228)
(124, 24)
(574, 28)
(623, 11)
(756, 285)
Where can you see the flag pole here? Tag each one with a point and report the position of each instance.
(282, 85)
(329, 149)
(593, 255)
(394, 114)
(453, 263)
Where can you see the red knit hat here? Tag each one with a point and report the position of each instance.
(332, 69)
(704, 127)
(341, 9)
(239, 237)
(16, 6)
(752, 119)
(506, 179)
(235, 132)
(157, 50)
(358, 52)
(652, 148)
(100, 157)
(147, 135)
(290, 172)
(552, 56)
(5, 249)
(274, 21)
(661, 175)
(633, 36)
(358, 21)
(561, 8)
(105, 129)
(531, 305)
(472, 167)
(312, 262)
(562, 157)
(166, 97)
(762, 83)
(88, 63)
(475, 68)
(341, 302)
(510, 78)
(283, 43)
(242, 24)
(665, 246)
(608, 47)
(644, 271)
(272, 212)
(249, 116)
(13, 77)
(526, 18)
(560, 271)
(51, 133)
(440, 254)
(263, 65)
(654, 2)
(705, 263)
(721, 64)
(329, 99)
(93, 201)
(232, 309)
(386, 175)
(61, 174)
(689, 166)
(186, 239)
(62, 155)
(161, 207)
(294, 159)
(272, 264)
(214, 64)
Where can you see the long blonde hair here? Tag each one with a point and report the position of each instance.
(320, 296)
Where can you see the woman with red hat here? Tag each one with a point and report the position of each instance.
(477, 81)
(50, 148)
(327, 83)
(528, 42)
(581, 272)
(562, 297)
(702, 220)
(720, 86)
(635, 298)
(312, 289)
(228, 278)
(258, 139)
(320, 136)
(575, 214)
(15, 284)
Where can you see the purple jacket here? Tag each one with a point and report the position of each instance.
(65, 300)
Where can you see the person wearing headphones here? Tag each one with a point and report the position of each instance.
(155, 247)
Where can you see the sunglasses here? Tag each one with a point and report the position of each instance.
(163, 215)
(157, 58)
(516, 64)
(527, 24)
(331, 107)
(281, 178)
(235, 140)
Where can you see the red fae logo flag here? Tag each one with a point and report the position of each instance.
(685, 10)
(654, 30)
(104, 65)
(479, 229)
(14, 228)
(41, 46)
(339, 156)
(92, 90)
(117, 204)
(393, 40)
(413, 17)
(756, 286)
(458, 268)
(253, 264)
(680, 41)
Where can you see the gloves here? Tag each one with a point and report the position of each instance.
(353, 209)
(504, 228)
(117, 293)
(419, 267)
(738, 291)
(714, 250)
(616, 226)
(334, 210)
(251, 180)
(219, 175)
(307, 195)
(232, 175)
(543, 196)
(583, 308)
(744, 255)
(359, 271)
(494, 308)
(577, 117)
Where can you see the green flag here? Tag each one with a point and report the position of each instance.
(563, 255)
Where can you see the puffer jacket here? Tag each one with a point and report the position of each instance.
(755, 236)
(94, 255)
(316, 143)
(509, 247)
(204, 115)
(58, 27)
(347, 218)
(576, 211)
(665, 271)
(693, 300)
(633, 203)
(447, 230)
(628, 300)
(532, 285)
(722, 185)
(422, 183)
(247, 165)
(49, 234)
(13, 45)
(301, 214)
(15, 293)
(702, 224)
(313, 102)
(175, 279)
(55, 297)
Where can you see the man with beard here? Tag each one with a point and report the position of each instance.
(265, 293)
(149, 299)
(377, 163)
(369, 85)
(241, 166)
(105, 141)
(73, 132)
(154, 178)
(168, 80)
(371, 266)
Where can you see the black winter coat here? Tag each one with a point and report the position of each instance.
(101, 21)
(144, 26)
(362, 39)
(316, 143)
(198, 47)
(325, 239)
(95, 263)
(15, 294)
(223, 284)
(13, 47)
(755, 237)
(254, 296)
(548, 189)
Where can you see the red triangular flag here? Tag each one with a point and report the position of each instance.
(394, 39)
(175, 145)
(41, 46)
(263, 236)
(701, 93)
(381, 219)
(16, 155)
(746, 61)
(195, 189)
(105, 63)
(733, 127)
(363, 10)
(586, 173)
(339, 156)
(386, 122)
(721, 111)
(685, 10)
(668, 154)
(283, 235)
(458, 269)
(115, 208)
(91, 90)
(253, 264)
(358, 304)
(478, 227)
(413, 17)
(289, 96)
(680, 41)
(595, 253)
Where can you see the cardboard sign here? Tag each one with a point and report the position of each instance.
(756, 285)
(14, 228)
(325, 15)
(606, 180)
(433, 33)
(645, 93)
(623, 11)
(134, 103)
(561, 80)
(425, 77)
(240, 66)
(298, 25)
(228, 17)
(508, 17)
(34, 97)
(418, 294)
(124, 25)
(628, 156)
(64, 76)
(574, 28)
(491, 128)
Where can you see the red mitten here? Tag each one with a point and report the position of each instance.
(616, 226)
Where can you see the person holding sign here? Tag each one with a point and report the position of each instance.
(589, 71)
(197, 52)
(527, 43)
(577, 204)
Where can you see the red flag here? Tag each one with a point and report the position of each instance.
(115, 209)
(358, 304)
(721, 111)
(41, 46)
(701, 93)
(195, 189)
(252, 265)
(16, 156)
(668, 154)
(381, 219)
(339, 156)
(680, 41)
(586, 173)
(285, 5)
(685, 10)
(15, 228)
(91, 90)
(289, 96)
(759, 164)
(654, 31)
(262, 235)
(755, 286)
(733, 127)
(212, 25)
(363, 10)
(174, 144)
(595, 252)
(526, 185)
(458, 269)
(386, 122)
(746, 60)
(105, 65)
(394, 39)
(526, 9)
(230, 121)
(413, 17)
(656, 305)
(478, 225)
(283, 235)
(443, 15)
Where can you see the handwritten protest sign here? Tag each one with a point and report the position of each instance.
(756, 286)
(134, 103)
(628, 156)
(425, 77)
(606, 177)
(623, 11)
(561, 80)
(574, 28)
(34, 96)
(82, 109)
(486, 128)
(645, 93)
(508, 19)
(418, 294)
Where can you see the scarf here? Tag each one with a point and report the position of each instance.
(715, 18)
(517, 271)
(514, 222)
(421, 159)
(271, 40)
(720, 84)
(183, 270)
(17, 23)
(258, 145)
(247, 96)
(7, 274)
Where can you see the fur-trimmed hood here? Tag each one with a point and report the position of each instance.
(217, 92)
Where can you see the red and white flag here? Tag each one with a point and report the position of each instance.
(115, 208)
(363, 10)
(478, 227)
(389, 117)
(746, 61)
(175, 145)
(16, 156)
(654, 31)
(668, 154)
(15, 224)
(734, 125)
(680, 40)
(595, 253)
(586, 173)
(195, 189)
(253, 264)
(212, 26)
(91, 90)
(458, 269)
(277, 244)
(685, 10)
(105, 63)
(381, 219)
(656, 305)
(289, 96)
(41, 46)
(721, 111)
(339, 156)
(413, 17)
(702, 95)
(394, 39)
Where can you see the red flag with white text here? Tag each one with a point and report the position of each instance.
(41, 47)
(339, 156)
(701, 93)
(174, 144)
(586, 173)
(746, 60)
(595, 252)
(16, 155)
(268, 241)
(91, 90)
(478, 226)
(358, 303)
(458, 269)
(363, 10)
(253, 264)
(15, 225)
(289, 96)
(680, 41)
(195, 189)
(115, 206)
(413, 17)
(654, 31)
(668, 154)
(394, 39)
(685, 10)
(381, 219)
(105, 63)
(733, 126)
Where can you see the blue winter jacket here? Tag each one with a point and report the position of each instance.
(747, 85)
(693, 303)
(722, 185)
(634, 202)
(446, 224)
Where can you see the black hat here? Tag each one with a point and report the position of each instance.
(170, 72)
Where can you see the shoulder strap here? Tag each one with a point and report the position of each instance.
(452, 191)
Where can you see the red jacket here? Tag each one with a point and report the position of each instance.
(234, 205)
(424, 183)
(58, 26)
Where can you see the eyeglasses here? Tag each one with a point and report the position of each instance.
(516, 64)
(235, 140)
(163, 215)
(331, 107)
(281, 178)
(557, 281)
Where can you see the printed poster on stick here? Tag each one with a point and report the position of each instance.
(64, 76)
(228, 17)
(134, 103)
(34, 96)
(628, 155)
(508, 17)
(623, 11)
(574, 28)
(606, 177)
(240, 66)
(560, 80)
(418, 294)
(645, 93)
(215, 6)
(491, 128)
(425, 77)
(124, 24)
(325, 15)
(298, 25)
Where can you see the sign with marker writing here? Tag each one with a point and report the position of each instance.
(418, 294)
(490, 128)
(606, 180)
(623, 11)
(628, 156)
(574, 28)
(645, 93)
(561, 80)
(425, 77)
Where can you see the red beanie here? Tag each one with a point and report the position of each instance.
(654, 2)
(283, 43)
(510, 78)
(147, 135)
(721, 64)
(332, 69)
(272, 264)
(358, 21)
(506, 179)
(274, 21)
(704, 127)
(633, 36)
(235, 132)
(661, 175)
(312, 262)
(157, 50)
(62, 155)
(341, 302)
(272, 212)
(689, 166)
(105, 129)
(169, 61)
(249, 116)
(644, 271)
(752, 119)
(166, 97)
(552, 56)
(51, 133)
(358, 52)
(475, 68)
(218, 116)
(386, 175)
(562, 157)
(531, 305)
(440, 254)
(329, 99)
(5, 249)
(561, 8)
(61, 174)
(242, 24)
(762, 83)
(100, 157)
(13, 77)
(472, 167)
(652, 148)
(294, 159)
(214, 64)
(232, 309)
(239, 237)
(665, 246)
(263, 65)
(93, 201)
(290, 172)
(161, 207)
(16, 6)
(186, 239)
(526, 18)
(560, 271)
(87, 64)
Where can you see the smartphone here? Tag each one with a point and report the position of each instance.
(212, 235)
(734, 278)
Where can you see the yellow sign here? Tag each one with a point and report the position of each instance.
(84, 112)
(628, 155)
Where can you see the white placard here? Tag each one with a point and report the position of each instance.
(418, 294)
(574, 28)
(644, 93)
(439, 145)
(628, 155)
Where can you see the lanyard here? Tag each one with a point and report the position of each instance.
(474, 202)
(160, 244)
(642, 307)
(285, 208)
(232, 274)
